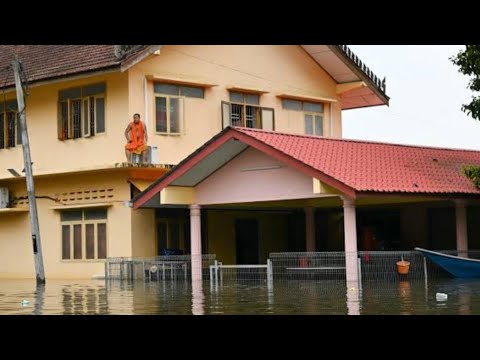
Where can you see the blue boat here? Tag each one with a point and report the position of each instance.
(457, 266)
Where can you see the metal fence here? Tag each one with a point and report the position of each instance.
(373, 265)
(220, 272)
(170, 267)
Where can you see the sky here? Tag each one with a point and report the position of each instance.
(426, 94)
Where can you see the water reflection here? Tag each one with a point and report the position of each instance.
(353, 298)
(260, 297)
(405, 294)
(84, 299)
(197, 297)
(39, 298)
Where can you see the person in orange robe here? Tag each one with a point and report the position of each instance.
(137, 139)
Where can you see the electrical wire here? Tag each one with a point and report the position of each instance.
(239, 71)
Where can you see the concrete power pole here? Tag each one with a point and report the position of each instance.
(32, 202)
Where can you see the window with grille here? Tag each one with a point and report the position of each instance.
(81, 112)
(243, 110)
(84, 234)
(10, 131)
(313, 114)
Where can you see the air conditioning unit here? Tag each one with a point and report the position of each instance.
(151, 158)
(4, 201)
(153, 155)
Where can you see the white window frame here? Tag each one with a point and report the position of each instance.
(313, 115)
(84, 117)
(181, 116)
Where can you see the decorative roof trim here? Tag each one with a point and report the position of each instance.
(363, 71)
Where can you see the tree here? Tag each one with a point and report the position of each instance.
(468, 62)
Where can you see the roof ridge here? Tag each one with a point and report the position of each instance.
(243, 129)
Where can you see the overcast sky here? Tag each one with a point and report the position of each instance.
(426, 93)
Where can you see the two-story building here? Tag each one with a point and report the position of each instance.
(276, 181)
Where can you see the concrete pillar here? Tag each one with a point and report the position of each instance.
(461, 225)
(310, 228)
(350, 226)
(196, 242)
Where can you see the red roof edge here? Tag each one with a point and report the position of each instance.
(182, 168)
(294, 163)
(215, 143)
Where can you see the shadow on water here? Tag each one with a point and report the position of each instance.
(245, 297)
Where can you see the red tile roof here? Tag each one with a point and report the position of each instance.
(379, 167)
(351, 166)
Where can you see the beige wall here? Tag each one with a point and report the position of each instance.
(143, 233)
(16, 259)
(221, 233)
(275, 69)
(49, 153)
(16, 252)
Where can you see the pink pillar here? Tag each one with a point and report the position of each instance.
(350, 225)
(196, 242)
(461, 224)
(310, 228)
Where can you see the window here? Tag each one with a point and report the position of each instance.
(10, 131)
(81, 112)
(84, 234)
(179, 90)
(313, 114)
(243, 110)
(168, 114)
(169, 106)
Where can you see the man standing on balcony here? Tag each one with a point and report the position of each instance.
(137, 139)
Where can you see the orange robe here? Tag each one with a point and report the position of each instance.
(137, 146)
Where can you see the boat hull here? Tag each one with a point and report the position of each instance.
(457, 266)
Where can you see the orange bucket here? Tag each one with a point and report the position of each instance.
(403, 267)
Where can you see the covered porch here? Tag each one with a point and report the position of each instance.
(248, 193)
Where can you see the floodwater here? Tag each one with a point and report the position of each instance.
(294, 297)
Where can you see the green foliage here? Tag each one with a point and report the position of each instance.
(473, 173)
(468, 62)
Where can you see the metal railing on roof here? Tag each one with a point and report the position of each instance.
(381, 84)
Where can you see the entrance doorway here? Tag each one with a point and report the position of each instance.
(246, 238)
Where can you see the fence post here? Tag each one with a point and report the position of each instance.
(221, 273)
(269, 270)
(359, 262)
(425, 272)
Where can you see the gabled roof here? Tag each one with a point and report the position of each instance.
(346, 68)
(47, 62)
(351, 166)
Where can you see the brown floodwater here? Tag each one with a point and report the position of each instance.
(290, 297)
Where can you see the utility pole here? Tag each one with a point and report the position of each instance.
(32, 202)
